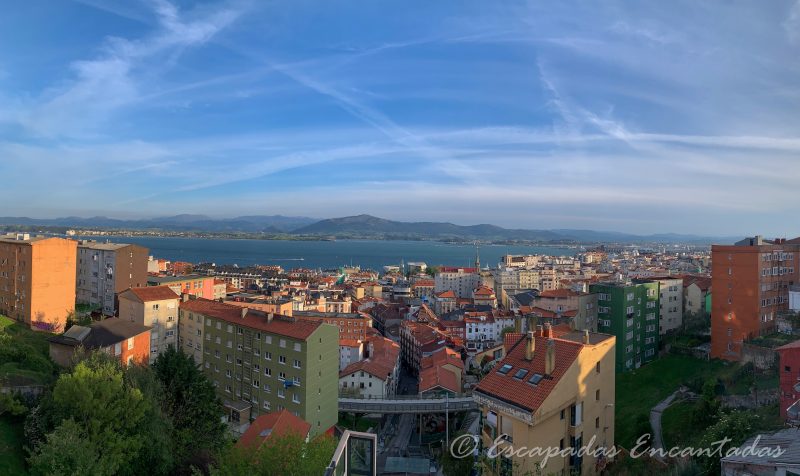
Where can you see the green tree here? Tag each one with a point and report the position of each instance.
(68, 450)
(285, 455)
(452, 466)
(110, 414)
(707, 408)
(11, 405)
(192, 405)
(736, 427)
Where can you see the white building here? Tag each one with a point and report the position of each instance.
(459, 280)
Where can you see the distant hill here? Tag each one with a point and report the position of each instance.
(370, 226)
(250, 224)
(360, 226)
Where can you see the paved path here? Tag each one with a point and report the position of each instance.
(655, 421)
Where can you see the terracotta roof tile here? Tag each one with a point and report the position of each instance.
(518, 391)
(275, 424)
(153, 293)
(558, 293)
(433, 377)
(281, 325)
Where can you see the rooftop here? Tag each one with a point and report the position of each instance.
(100, 334)
(152, 293)
(273, 424)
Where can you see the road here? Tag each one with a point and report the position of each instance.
(655, 421)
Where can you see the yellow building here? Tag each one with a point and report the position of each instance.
(553, 391)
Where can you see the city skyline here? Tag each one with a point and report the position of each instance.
(641, 119)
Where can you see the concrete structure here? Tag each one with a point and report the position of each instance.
(262, 362)
(127, 341)
(37, 280)
(751, 285)
(459, 280)
(106, 269)
(630, 312)
(554, 389)
(350, 351)
(155, 307)
(696, 289)
(565, 301)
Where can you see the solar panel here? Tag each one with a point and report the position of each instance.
(505, 369)
(535, 379)
(521, 373)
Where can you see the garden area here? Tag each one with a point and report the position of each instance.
(24, 355)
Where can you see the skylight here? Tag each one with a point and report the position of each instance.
(521, 373)
(535, 379)
(505, 369)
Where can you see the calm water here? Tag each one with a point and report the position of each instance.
(371, 254)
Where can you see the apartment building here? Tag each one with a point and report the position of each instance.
(581, 307)
(352, 325)
(751, 281)
(261, 362)
(155, 307)
(789, 371)
(630, 311)
(106, 269)
(670, 302)
(192, 284)
(553, 389)
(459, 280)
(37, 280)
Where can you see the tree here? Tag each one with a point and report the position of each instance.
(707, 408)
(452, 466)
(11, 405)
(192, 405)
(108, 413)
(68, 450)
(285, 455)
(736, 426)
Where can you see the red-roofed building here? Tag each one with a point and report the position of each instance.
(273, 425)
(261, 362)
(789, 370)
(423, 288)
(444, 302)
(377, 375)
(484, 296)
(155, 307)
(437, 369)
(418, 340)
(554, 388)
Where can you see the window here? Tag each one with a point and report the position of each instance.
(297, 347)
(268, 339)
(267, 388)
(296, 364)
(281, 393)
(520, 374)
(256, 384)
(266, 405)
(268, 371)
(597, 368)
(282, 359)
(282, 343)
(268, 355)
(295, 398)
(597, 395)
(505, 369)
(130, 343)
(117, 348)
(576, 414)
(597, 422)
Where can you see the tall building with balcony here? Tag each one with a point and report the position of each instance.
(106, 269)
(261, 362)
(37, 280)
(751, 281)
(629, 311)
(553, 389)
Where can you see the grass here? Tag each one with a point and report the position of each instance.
(12, 455)
(640, 390)
(25, 354)
(677, 426)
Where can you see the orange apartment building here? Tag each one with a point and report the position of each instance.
(751, 281)
(37, 280)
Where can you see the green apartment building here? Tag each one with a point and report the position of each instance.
(630, 311)
(262, 363)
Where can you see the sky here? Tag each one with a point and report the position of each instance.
(637, 116)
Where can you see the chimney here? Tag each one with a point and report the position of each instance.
(269, 317)
(586, 336)
(550, 357)
(539, 330)
(530, 346)
(184, 297)
(548, 330)
(244, 312)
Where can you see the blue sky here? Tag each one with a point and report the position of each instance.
(632, 116)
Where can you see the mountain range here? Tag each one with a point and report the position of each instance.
(359, 226)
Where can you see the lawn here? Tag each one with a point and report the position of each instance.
(641, 390)
(12, 456)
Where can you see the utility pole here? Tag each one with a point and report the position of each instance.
(447, 418)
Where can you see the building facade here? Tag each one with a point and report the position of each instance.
(629, 311)
(261, 362)
(459, 280)
(155, 307)
(751, 282)
(554, 389)
(106, 269)
(37, 280)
